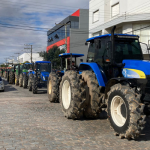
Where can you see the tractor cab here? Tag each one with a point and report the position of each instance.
(72, 60)
(26, 67)
(110, 52)
(42, 69)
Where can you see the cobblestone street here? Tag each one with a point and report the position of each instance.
(31, 122)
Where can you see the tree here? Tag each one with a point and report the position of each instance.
(53, 56)
(26, 62)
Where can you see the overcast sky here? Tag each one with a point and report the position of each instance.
(33, 15)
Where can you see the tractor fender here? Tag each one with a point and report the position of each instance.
(114, 81)
(100, 75)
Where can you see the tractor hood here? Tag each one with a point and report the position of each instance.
(136, 69)
(44, 75)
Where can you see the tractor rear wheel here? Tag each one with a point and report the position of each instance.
(21, 80)
(70, 95)
(34, 85)
(125, 112)
(17, 80)
(25, 81)
(53, 87)
(92, 109)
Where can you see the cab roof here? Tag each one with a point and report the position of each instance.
(42, 62)
(108, 35)
(66, 55)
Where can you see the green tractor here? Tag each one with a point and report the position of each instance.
(1, 72)
(17, 74)
(22, 73)
(11, 74)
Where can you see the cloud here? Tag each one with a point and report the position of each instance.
(35, 13)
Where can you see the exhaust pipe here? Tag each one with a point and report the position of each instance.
(113, 43)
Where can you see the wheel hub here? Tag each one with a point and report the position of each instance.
(118, 111)
(66, 94)
(50, 87)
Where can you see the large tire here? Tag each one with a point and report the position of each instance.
(125, 112)
(17, 80)
(34, 85)
(25, 81)
(92, 109)
(11, 78)
(30, 82)
(21, 80)
(53, 87)
(71, 95)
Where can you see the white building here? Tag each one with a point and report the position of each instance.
(127, 15)
(27, 57)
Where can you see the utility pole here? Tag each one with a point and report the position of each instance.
(6, 60)
(65, 24)
(18, 57)
(12, 59)
(30, 51)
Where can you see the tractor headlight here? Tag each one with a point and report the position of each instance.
(43, 78)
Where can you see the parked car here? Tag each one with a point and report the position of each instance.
(2, 87)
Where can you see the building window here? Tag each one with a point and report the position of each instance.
(97, 33)
(74, 25)
(115, 10)
(143, 31)
(95, 16)
(118, 30)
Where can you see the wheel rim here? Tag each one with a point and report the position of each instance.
(66, 94)
(50, 87)
(118, 111)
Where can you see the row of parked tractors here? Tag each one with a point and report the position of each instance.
(28, 75)
(115, 78)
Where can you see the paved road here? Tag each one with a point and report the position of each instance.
(30, 122)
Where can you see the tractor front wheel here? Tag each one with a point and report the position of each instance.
(53, 87)
(11, 78)
(125, 112)
(17, 80)
(21, 80)
(34, 85)
(25, 81)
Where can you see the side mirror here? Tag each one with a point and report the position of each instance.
(81, 60)
(86, 43)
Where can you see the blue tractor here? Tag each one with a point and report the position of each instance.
(39, 76)
(116, 78)
(56, 75)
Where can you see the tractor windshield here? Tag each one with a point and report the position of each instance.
(91, 52)
(127, 49)
(27, 66)
(46, 67)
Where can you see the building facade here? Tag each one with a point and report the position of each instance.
(27, 57)
(73, 29)
(128, 15)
